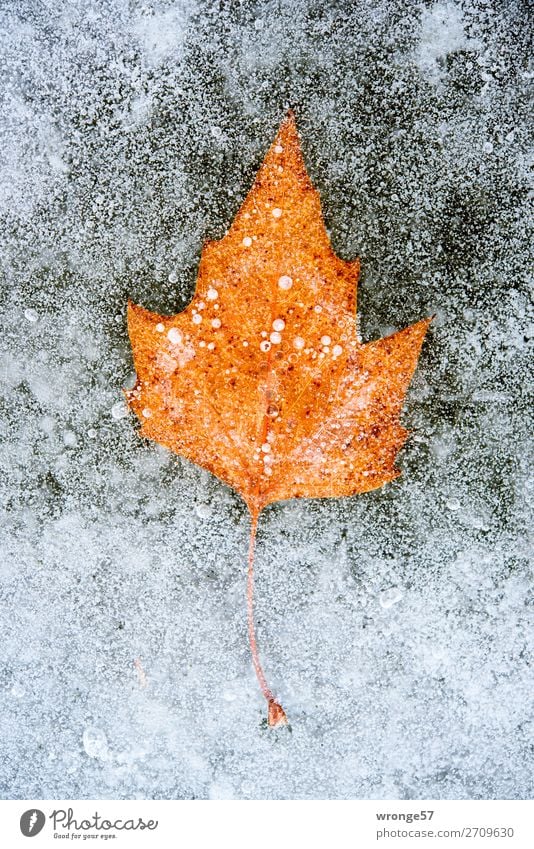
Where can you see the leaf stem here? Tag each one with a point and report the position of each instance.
(276, 715)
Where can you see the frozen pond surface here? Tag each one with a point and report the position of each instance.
(396, 627)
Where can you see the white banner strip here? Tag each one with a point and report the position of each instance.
(268, 824)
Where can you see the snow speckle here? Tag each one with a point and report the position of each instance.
(167, 363)
(276, 212)
(31, 315)
(95, 743)
(390, 597)
(442, 33)
(70, 439)
(222, 789)
(279, 324)
(212, 294)
(174, 336)
(247, 241)
(275, 338)
(159, 32)
(299, 343)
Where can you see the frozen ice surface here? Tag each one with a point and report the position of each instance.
(395, 627)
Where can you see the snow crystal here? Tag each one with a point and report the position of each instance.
(394, 625)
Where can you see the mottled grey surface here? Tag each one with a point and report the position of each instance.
(395, 626)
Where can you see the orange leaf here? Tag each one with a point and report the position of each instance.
(262, 378)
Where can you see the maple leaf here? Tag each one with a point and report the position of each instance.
(262, 379)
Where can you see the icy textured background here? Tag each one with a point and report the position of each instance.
(394, 626)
